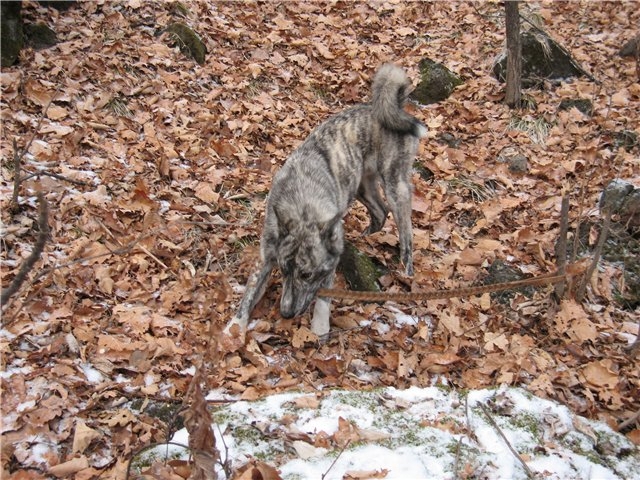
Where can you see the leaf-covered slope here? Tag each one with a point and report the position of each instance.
(163, 166)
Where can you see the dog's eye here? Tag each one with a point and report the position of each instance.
(306, 276)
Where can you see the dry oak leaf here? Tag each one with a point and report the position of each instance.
(36, 92)
(364, 474)
(67, 469)
(257, 470)
(306, 451)
(601, 374)
(451, 322)
(301, 336)
(346, 433)
(308, 401)
(83, 436)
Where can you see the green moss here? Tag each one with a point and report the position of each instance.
(188, 41)
(527, 422)
(146, 458)
(360, 271)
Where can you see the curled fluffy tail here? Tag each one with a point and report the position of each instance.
(391, 87)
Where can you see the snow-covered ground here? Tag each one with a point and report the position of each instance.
(421, 433)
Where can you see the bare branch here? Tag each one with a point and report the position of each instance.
(604, 233)
(493, 423)
(27, 265)
(561, 246)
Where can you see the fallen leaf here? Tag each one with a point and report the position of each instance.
(83, 436)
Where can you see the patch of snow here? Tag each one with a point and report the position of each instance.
(422, 434)
(15, 369)
(191, 371)
(25, 406)
(93, 375)
(402, 318)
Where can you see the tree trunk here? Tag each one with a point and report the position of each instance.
(514, 54)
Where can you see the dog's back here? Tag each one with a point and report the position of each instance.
(338, 152)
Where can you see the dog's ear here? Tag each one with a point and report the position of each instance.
(284, 225)
(328, 230)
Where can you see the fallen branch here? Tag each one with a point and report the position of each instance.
(493, 423)
(573, 269)
(38, 248)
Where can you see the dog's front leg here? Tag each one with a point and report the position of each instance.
(320, 323)
(253, 293)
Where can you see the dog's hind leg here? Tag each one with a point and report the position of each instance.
(398, 193)
(253, 293)
(369, 196)
(320, 323)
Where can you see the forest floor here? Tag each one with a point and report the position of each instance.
(156, 170)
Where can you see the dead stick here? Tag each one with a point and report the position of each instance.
(17, 164)
(493, 423)
(54, 175)
(344, 447)
(561, 247)
(438, 294)
(597, 252)
(27, 265)
(629, 421)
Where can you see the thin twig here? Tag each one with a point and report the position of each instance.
(344, 447)
(27, 265)
(54, 175)
(493, 423)
(456, 464)
(597, 252)
(17, 164)
(629, 421)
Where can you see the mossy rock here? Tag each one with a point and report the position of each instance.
(424, 172)
(40, 36)
(542, 58)
(582, 104)
(627, 139)
(60, 5)
(188, 41)
(11, 32)
(436, 82)
(631, 48)
(360, 272)
(501, 272)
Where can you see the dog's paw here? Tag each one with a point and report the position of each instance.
(409, 270)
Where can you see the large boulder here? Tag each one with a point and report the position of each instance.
(542, 58)
(436, 82)
(11, 35)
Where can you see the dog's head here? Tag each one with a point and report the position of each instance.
(308, 253)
